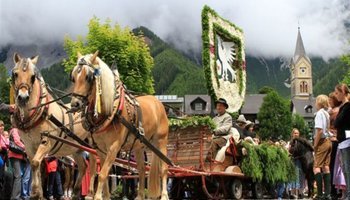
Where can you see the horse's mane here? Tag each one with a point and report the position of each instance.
(305, 142)
(108, 87)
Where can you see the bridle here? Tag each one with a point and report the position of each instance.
(28, 87)
(84, 98)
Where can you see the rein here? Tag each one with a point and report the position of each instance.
(50, 102)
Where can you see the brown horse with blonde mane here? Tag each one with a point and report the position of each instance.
(30, 91)
(101, 96)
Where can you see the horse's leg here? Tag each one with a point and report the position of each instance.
(37, 191)
(102, 157)
(164, 169)
(110, 158)
(79, 159)
(66, 180)
(93, 168)
(310, 182)
(140, 160)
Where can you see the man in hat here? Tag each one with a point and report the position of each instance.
(240, 124)
(223, 123)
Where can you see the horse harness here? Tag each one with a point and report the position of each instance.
(39, 114)
(97, 125)
(134, 124)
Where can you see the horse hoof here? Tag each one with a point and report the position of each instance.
(89, 198)
(139, 197)
(164, 197)
(36, 197)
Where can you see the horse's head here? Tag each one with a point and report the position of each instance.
(83, 77)
(23, 77)
(299, 146)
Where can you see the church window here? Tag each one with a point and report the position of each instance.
(303, 87)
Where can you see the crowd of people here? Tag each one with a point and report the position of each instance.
(331, 145)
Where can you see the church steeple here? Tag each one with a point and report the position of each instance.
(299, 48)
(301, 71)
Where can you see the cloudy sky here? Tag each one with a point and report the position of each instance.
(270, 26)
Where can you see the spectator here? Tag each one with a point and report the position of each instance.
(342, 125)
(249, 130)
(54, 179)
(26, 179)
(129, 184)
(240, 125)
(296, 188)
(4, 143)
(223, 123)
(16, 160)
(336, 181)
(323, 148)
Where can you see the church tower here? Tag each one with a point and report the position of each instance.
(301, 72)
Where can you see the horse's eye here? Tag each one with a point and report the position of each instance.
(89, 77)
(32, 78)
(15, 75)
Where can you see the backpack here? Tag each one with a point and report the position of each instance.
(14, 147)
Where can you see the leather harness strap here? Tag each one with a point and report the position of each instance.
(36, 116)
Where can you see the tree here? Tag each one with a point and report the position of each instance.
(346, 59)
(266, 90)
(116, 46)
(301, 125)
(4, 93)
(275, 117)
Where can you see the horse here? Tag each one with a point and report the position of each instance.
(30, 91)
(100, 95)
(301, 149)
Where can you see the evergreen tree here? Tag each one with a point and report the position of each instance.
(266, 90)
(4, 93)
(301, 125)
(346, 59)
(275, 117)
(116, 46)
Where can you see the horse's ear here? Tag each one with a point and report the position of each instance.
(16, 58)
(34, 59)
(93, 58)
(79, 55)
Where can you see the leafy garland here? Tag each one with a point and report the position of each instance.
(268, 163)
(192, 122)
(206, 48)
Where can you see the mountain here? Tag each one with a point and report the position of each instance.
(173, 72)
(49, 54)
(179, 73)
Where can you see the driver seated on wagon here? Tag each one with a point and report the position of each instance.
(223, 122)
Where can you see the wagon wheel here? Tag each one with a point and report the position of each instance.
(236, 189)
(258, 190)
(214, 187)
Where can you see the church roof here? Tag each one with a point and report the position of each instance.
(252, 103)
(300, 106)
(299, 49)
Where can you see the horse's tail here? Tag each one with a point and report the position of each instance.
(154, 177)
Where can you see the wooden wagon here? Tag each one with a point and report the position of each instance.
(194, 178)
